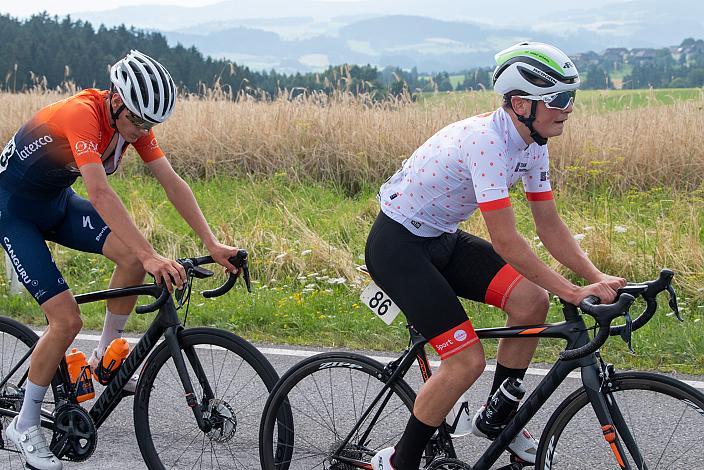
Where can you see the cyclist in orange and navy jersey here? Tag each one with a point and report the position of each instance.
(87, 135)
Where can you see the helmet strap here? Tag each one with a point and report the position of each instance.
(114, 114)
(528, 121)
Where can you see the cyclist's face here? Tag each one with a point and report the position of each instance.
(550, 122)
(124, 123)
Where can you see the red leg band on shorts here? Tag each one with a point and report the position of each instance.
(455, 340)
(501, 286)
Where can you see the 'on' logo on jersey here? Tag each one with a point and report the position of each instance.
(82, 146)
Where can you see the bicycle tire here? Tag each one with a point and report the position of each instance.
(9, 399)
(291, 391)
(162, 423)
(650, 403)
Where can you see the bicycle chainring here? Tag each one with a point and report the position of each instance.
(75, 436)
(448, 464)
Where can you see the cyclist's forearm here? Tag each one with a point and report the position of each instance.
(115, 215)
(518, 254)
(182, 198)
(565, 249)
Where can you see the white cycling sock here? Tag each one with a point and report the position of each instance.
(30, 414)
(113, 328)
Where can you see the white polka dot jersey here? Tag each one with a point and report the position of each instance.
(467, 165)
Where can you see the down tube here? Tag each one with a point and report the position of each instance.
(535, 401)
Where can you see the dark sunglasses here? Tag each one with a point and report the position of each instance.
(138, 122)
(561, 100)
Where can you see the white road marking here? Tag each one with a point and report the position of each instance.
(383, 359)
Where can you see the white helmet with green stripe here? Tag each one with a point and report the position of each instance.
(535, 69)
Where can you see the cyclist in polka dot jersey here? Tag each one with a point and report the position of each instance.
(417, 254)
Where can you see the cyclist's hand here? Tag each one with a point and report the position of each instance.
(222, 253)
(165, 270)
(601, 289)
(614, 282)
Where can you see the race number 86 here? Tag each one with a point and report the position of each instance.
(379, 304)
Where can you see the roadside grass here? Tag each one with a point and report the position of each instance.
(588, 101)
(305, 240)
(355, 141)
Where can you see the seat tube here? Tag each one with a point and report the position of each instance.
(175, 349)
(592, 385)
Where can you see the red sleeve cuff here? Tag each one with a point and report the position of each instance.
(544, 196)
(495, 205)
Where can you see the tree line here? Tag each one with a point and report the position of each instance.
(49, 51)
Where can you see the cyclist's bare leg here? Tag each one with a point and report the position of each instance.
(527, 305)
(456, 374)
(128, 272)
(65, 323)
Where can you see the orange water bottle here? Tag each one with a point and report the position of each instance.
(79, 372)
(113, 358)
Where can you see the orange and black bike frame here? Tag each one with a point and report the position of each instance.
(575, 332)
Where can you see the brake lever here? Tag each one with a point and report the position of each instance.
(245, 274)
(673, 302)
(626, 333)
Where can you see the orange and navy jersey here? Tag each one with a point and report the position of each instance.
(45, 155)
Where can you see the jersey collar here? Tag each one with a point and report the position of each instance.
(515, 141)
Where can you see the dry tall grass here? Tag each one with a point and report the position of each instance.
(355, 141)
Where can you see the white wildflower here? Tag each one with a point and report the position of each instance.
(620, 229)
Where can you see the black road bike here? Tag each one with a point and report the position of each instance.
(347, 406)
(199, 396)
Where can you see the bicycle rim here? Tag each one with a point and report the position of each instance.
(240, 378)
(664, 416)
(328, 394)
(15, 341)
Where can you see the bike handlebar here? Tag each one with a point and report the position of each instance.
(191, 265)
(605, 314)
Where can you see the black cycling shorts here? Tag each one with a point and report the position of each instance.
(425, 275)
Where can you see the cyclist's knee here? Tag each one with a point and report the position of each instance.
(465, 367)
(63, 316)
(121, 254)
(528, 303)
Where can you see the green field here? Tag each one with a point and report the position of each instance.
(306, 238)
(599, 101)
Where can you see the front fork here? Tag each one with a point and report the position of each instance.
(175, 348)
(597, 383)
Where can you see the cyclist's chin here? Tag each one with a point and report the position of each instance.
(131, 138)
(555, 129)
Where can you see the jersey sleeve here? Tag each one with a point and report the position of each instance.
(536, 181)
(80, 124)
(488, 168)
(148, 148)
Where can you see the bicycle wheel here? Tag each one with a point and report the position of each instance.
(15, 341)
(328, 394)
(664, 416)
(240, 378)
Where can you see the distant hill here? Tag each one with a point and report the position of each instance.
(307, 35)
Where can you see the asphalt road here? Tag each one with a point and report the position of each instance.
(117, 446)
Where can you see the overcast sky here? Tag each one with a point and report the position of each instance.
(27, 7)
(505, 11)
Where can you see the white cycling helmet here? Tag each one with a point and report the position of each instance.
(535, 69)
(145, 86)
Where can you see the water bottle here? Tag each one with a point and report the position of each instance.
(113, 358)
(458, 418)
(79, 372)
(502, 405)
